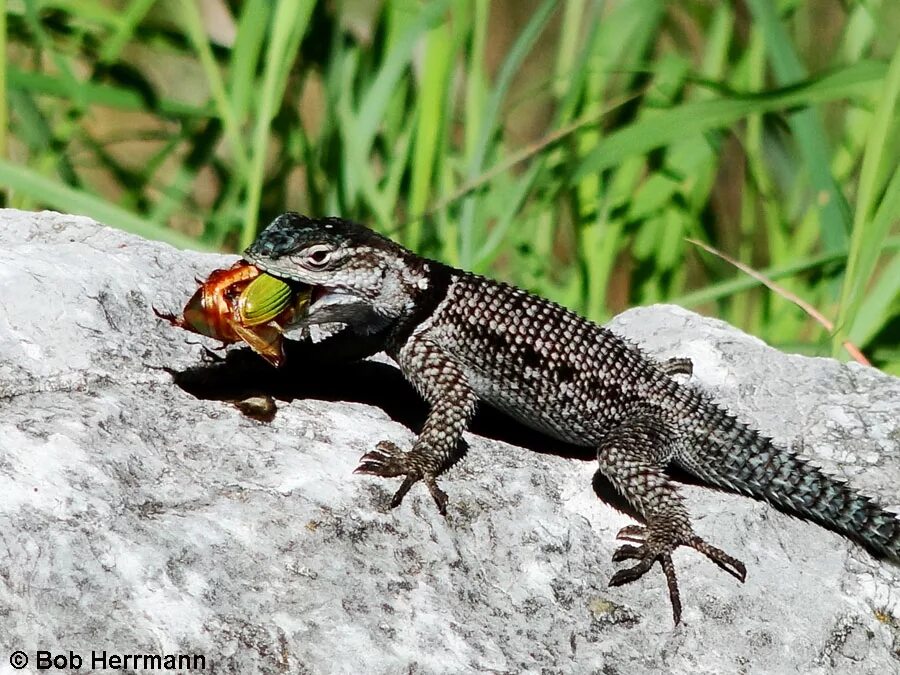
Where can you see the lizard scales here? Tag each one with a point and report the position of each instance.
(460, 338)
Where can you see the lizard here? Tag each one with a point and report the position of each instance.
(460, 339)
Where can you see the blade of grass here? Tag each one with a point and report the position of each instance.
(96, 12)
(512, 207)
(820, 318)
(534, 150)
(490, 119)
(67, 199)
(200, 148)
(567, 49)
(523, 154)
(95, 94)
(724, 289)
(127, 23)
(375, 100)
(365, 117)
(806, 126)
(874, 234)
(70, 84)
(245, 53)
(762, 181)
(875, 310)
(289, 22)
(429, 121)
(196, 33)
(33, 128)
(4, 116)
(861, 27)
(694, 118)
(476, 80)
(869, 232)
(624, 34)
(382, 199)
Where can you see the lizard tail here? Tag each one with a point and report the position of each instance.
(736, 457)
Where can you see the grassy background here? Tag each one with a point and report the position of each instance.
(568, 147)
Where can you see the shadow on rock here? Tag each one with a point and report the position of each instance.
(241, 375)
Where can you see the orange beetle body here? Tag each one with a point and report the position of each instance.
(214, 311)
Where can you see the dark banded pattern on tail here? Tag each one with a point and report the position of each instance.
(727, 453)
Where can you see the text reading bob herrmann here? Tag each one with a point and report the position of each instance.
(102, 659)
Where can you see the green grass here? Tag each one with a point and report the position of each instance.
(569, 147)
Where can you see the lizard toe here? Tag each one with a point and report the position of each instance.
(668, 567)
(646, 557)
(733, 566)
(630, 574)
(386, 460)
(633, 533)
(629, 552)
(438, 495)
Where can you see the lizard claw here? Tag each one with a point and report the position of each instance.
(634, 533)
(650, 552)
(389, 461)
(646, 558)
(733, 566)
(386, 460)
(677, 366)
(645, 554)
(628, 552)
(668, 568)
(629, 574)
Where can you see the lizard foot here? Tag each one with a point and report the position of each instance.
(648, 553)
(677, 366)
(389, 461)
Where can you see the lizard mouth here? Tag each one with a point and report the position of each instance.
(323, 296)
(317, 293)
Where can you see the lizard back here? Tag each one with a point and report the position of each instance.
(540, 362)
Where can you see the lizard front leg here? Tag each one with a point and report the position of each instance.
(632, 457)
(452, 401)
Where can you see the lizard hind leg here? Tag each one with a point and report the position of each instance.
(632, 457)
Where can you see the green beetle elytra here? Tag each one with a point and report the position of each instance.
(262, 300)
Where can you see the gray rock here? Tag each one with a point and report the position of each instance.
(139, 516)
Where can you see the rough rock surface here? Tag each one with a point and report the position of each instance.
(141, 515)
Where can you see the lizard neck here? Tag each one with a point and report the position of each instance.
(426, 295)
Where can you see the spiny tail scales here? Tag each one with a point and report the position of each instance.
(726, 452)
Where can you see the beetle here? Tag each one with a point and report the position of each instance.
(240, 303)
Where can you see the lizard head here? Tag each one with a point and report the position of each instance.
(358, 276)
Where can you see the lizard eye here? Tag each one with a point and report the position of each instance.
(318, 256)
